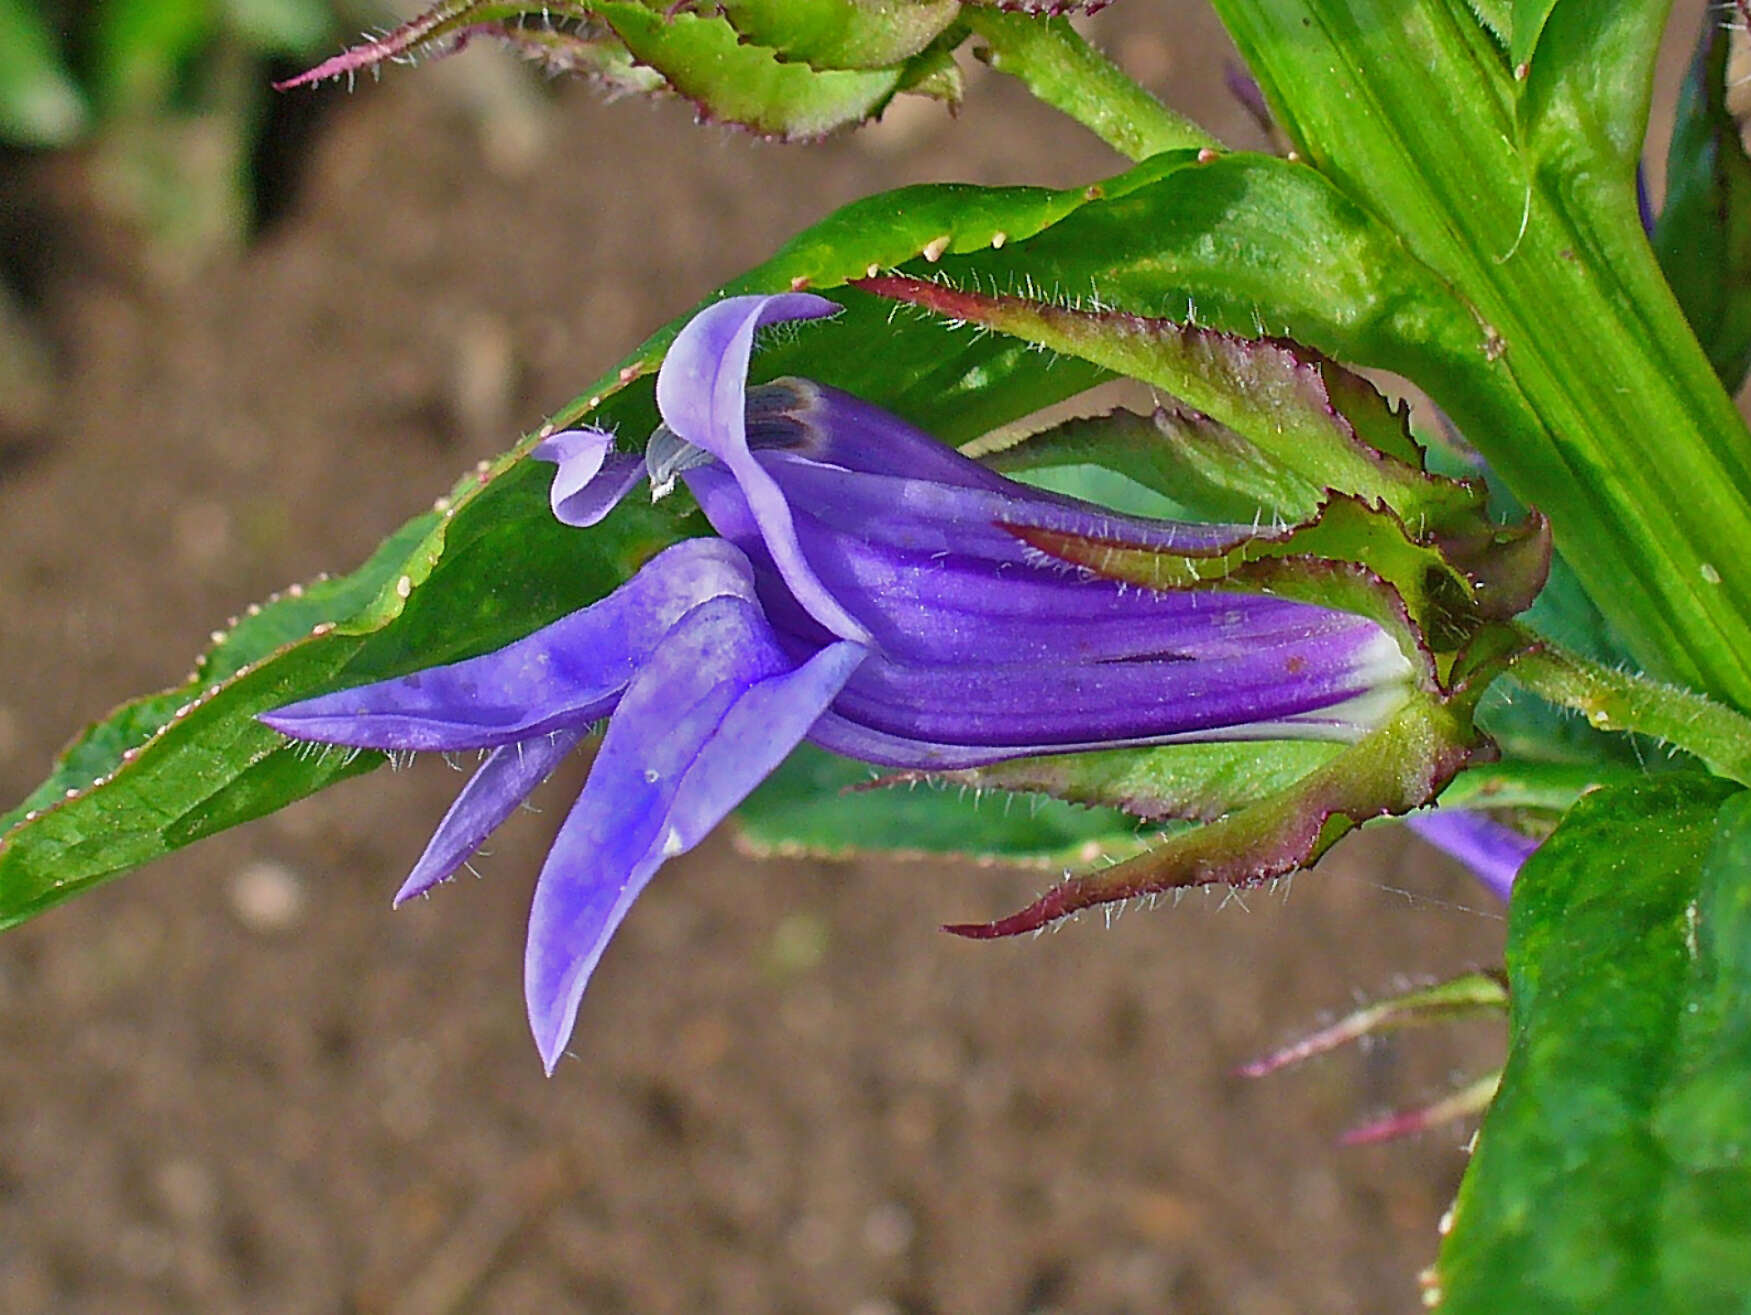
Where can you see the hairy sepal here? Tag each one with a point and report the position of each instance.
(1168, 782)
(1351, 557)
(1400, 766)
(1291, 402)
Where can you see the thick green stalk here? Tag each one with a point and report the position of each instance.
(1613, 700)
(1071, 76)
(1519, 194)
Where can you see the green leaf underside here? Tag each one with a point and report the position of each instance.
(1611, 1173)
(604, 58)
(1060, 68)
(494, 565)
(1703, 237)
(816, 805)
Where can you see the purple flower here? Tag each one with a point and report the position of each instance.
(1492, 851)
(868, 594)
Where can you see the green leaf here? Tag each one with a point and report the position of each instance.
(492, 564)
(842, 34)
(1703, 237)
(1610, 1174)
(818, 804)
(40, 103)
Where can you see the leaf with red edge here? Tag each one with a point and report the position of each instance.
(634, 47)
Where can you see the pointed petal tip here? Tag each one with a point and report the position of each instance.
(417, 884)
(295, 723)
(552, 1030)
(774, 307)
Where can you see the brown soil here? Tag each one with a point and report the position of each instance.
(236, 1082)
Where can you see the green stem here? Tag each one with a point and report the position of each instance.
(1062, 69)
(1615, 700)
(1518, 192)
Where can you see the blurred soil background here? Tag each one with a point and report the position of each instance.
(234, 1082)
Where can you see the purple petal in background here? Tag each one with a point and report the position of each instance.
(492, 794)
(1644, 204)
(1492, 851)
